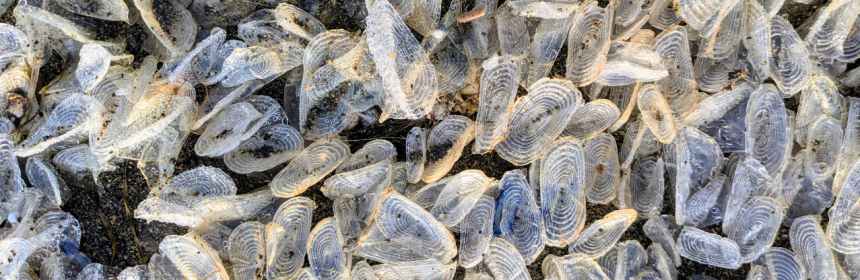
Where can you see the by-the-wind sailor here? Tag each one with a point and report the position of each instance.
(831, 28)
(823, 144)
(247, 249)
(416, 154)
(13, 43)
(513, 34)
(76, 115)
(194, 260)
(698, 158)
(704, 205)
(266, 149)
(630, 258)
(14, 252)
(717, 106)
(171, 24)
(445, 145)
(767, 136)
(538, 119)
(408, 77)
(309, 166)
(592, 118)
(287, 237)
(226, 131)
(403, 231)
(543, 9)
(373, 152)
(504, 262)
(157, 209)
(820, 97)
(518, 216)
(711, 74)
(192, 186)
(842, 236)
(602, 234)
(630, 16)
(562, 191)
(499, 84)
(603, 169)
(810, 244)
(246, 64)
(628, 63)
(749, 179)
(656, 113)
(710, 249)
(663, 15)
(590, 37)
(756, 227)
(297, 22)
(476, 232)
(663, 232)
(679, 87)
(43, 176)
(722, 43)
(325, 251)
(851, 46)
(572, 267)
(185, 70)
(305, 274)
(420, 269)
(638, 141)
(93, 65)
(546, 44)
(357, 182)
(624, 97)
(782, 263)
(789, 63)
(755, 36)
(643, 187)
(362, 271)
(705, 15)
(241, 207)
(458, 196)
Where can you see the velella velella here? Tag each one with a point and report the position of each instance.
(630, 139)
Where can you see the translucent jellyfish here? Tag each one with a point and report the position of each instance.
(591, 34)
(247, 249)
(325, 251)
(538, 119)
(309, 167)
(267, 148)
(789, 63)
(656, 113)
(476, 232)
(591, 119)
(410, 91)
(500, 80)
(602, 234)
(416, 154)
(707, 248)
(445, 144)
(395, 237)
(518, 217)
(767, 136)
(562, 191)
(287, 237)
(603, 176)
(757, 225)
(810, 244)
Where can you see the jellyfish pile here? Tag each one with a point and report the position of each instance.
(720, 111)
